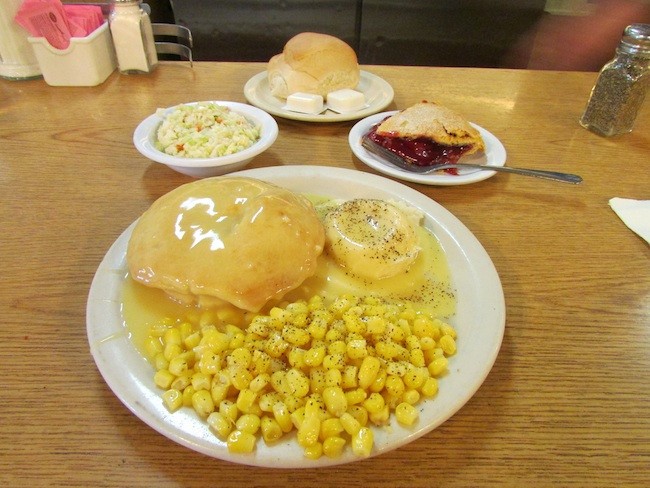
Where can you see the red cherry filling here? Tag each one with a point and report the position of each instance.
(420, 151)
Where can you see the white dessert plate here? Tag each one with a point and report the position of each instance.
(494, 155)
(479, 321)
(377, 91)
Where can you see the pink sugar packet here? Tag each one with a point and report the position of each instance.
(83, 19)
(56, 22)
(45, 18)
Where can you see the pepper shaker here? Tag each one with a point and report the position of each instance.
(132, 37)
(621, 86)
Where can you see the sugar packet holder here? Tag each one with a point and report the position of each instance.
(87, 61)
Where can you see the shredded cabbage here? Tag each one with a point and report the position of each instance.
(204, 130)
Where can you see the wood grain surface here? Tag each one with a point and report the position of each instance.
(567, 402)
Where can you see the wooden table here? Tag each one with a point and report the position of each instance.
(567, 402)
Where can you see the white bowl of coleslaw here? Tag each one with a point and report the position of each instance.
(209, 138)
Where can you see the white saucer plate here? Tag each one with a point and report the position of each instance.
(377, 91)
(494, 155)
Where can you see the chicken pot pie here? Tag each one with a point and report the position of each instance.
(226, 239)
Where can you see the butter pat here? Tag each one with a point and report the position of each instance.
(346, 100)
(307, 103)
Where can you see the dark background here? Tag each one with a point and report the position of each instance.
(408, 32)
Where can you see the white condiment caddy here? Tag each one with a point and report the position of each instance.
(87, 61)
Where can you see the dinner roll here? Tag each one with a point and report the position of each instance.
(226, 239)
(313, 63)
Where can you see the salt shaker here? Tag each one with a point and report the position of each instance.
(621, 86)
(132, 37)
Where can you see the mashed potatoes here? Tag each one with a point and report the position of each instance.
(373, 239)
(226, 239)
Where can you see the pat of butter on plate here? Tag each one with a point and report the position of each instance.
(346, 100)
(307, 103)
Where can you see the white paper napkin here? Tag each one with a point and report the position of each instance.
(634, 213)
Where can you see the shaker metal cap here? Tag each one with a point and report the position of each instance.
(636, 38)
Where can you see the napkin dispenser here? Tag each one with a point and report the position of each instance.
(87, 61)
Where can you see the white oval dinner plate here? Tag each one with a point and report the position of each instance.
(479, 321)
(377, 91)
(494, 155)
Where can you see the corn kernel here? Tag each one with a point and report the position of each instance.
(359, 413)
(330, 427)
(415, 377)
(309, 430)
(172, 336)
(357, 349)
(271, 430)
(282, 416)
(394, 385)
(374, 403)
(275, 345)
(430, 387)
(178, 365)
(241, 378)
(188, 392)
(333, 446)
(160, 362)
(163, 379)
(268, 399)
(411, 396)
(427, 343)
(297, 382)
(438, 366)
(248, 423)
(334, 361)
(241, 442)
(218, 392)
(314, 452)
(220, 424)
(229, 410)
(335, 400)
(368, 371)
(210, 363)
(380, 380)
(293, 402)
(246, 400)
(375, 325)
(315, 356)
(261, 362)
(295, 335)
(202, 403)
(260, 382)
(201, 381)
(406, 414)
(448, 345)
(317, 379)
(181, 382)
(192, 340)
(350, 424)
(172, 350)
(153, 346)
(362, 442)
(173, 399)
(447, 330)
(349, 377)
(356, 396)
(298, 417)
(382, 417)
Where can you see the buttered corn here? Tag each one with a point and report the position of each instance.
(328, 371)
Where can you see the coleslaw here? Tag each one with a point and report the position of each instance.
(204, 130)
